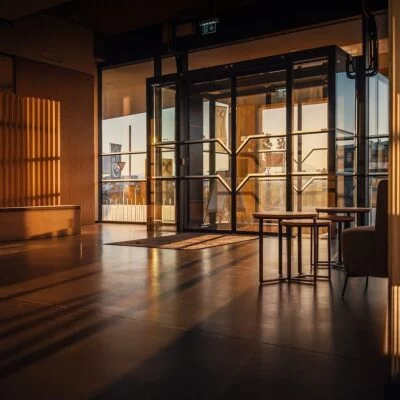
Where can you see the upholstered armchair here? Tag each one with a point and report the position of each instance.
(365, 248)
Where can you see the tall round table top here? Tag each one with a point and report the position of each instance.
(285, 215)
(340, 210)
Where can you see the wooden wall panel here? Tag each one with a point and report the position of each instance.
(75, 92)
(30, 151)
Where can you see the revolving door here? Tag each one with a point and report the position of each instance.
(268, 134)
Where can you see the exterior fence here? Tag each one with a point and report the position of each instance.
(134, 213)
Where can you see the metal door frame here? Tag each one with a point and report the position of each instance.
(232, 72)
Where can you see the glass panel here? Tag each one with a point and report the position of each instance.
(209, 111)
(261, 156)
(310, 150)
(310, 96)
(346, 156)
(124, 166)
(261, 146)
(345, 101)
(124, 134)
(216, 160)
(123, 201)
(346, 191)
(209, 127)
(346, 147)
(164, 208)
(165, 165)
(261, 105)
(373, 105)
(378, 155)
(310, 192)
(378, 147)
(124, 90)
(163, 169)
(211, 210)
(378, 105)
(124, 131)
(259, 195)
(164, 113)
(207, 152)
(383, 105)
(310, 153)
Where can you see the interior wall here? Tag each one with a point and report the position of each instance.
(47, 39)
(54, 60)
(74, 90)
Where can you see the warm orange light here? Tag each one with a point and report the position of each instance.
(394, 190)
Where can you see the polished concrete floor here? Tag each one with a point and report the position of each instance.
(80, 319)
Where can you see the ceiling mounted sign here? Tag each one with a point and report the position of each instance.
(208, 26)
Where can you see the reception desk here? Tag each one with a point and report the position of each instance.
(20, 223)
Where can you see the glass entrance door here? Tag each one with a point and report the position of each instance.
(238, 141)
(261, 130)
(207, 149)
(310, 135)
(162, 154)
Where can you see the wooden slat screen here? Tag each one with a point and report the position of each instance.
(29, 151)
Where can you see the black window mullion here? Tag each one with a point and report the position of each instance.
(233, 151)
(289, 130)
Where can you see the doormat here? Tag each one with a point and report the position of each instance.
(187, 241)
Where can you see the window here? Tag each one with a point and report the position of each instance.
(123, 181)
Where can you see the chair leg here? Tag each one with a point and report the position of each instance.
(316, 255)
(366, 283)
(329, 253)
(340, 243)
(345, 284)
(299, 249)
(311, 249)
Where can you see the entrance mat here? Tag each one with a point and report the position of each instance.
(187, 241)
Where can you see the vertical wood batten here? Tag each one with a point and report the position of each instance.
(6, 150)
(29, 151)
(58, 153)
(2, 156)
(48, 156)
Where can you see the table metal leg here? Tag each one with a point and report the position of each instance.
(340, 242)
(329, 254)
(280, 278)
(280, 234)
(289, 252)
(311, 249)
(299, 255)
(315, 229)
(260, 251)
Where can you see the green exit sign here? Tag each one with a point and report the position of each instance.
(208, 26)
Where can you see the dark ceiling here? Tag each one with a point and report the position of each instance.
(110, 17)
(116, 16)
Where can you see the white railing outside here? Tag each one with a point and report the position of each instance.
(168, 213)
(134, 213)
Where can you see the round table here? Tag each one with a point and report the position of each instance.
(278, 216)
